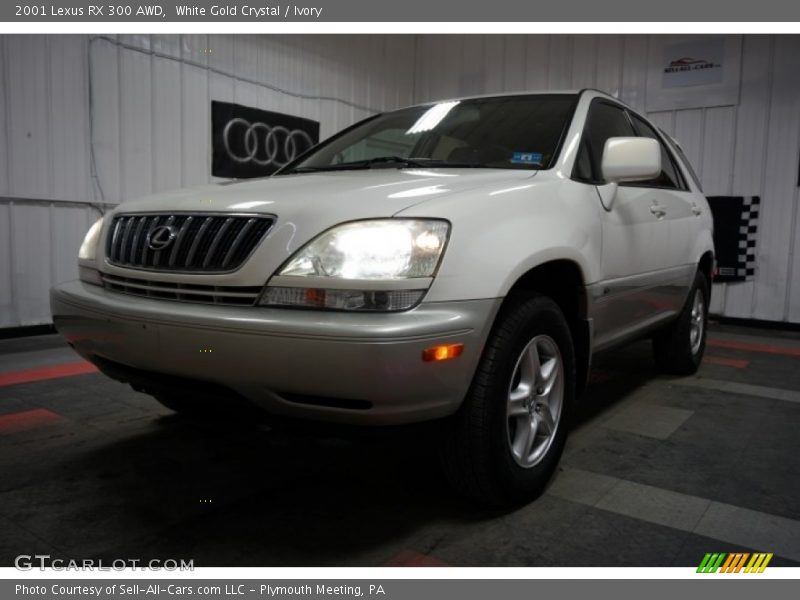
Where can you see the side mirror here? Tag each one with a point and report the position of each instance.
(631, 159)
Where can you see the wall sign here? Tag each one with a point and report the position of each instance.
(250, 142)
(693, 72)
(693, 63)
(735, 231)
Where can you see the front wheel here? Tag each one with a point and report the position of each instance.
(503, 445)
(679, 348)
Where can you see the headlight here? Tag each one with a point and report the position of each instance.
(88, 248)
(87, 253)
(378, 265)
(385, 249)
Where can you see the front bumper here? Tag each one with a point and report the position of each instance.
(283, 359)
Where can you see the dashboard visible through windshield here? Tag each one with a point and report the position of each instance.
(508, 132)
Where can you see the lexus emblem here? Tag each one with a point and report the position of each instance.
(161, 237)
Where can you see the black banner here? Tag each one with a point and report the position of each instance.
(735, 230)
(250, 142)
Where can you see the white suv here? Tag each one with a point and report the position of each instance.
(459, 260)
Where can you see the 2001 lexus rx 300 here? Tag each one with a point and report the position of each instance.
(459, 261)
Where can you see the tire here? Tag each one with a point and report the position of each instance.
(485, 455)
(678, 349)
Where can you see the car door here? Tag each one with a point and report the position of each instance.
(635, 236)
(680, 213)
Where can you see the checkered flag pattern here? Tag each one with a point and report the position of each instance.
(735, 235)
(749, 230)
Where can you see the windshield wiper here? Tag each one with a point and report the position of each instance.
(388, 161)
(363, 164)
(394, 160)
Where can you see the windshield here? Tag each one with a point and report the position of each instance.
(507, 132)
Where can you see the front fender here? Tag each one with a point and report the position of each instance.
(495, 240)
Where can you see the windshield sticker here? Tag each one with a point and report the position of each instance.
(527, 158)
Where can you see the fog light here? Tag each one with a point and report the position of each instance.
(444, 352)
(354, 300)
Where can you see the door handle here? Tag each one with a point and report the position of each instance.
(658, 211)
(696, 210)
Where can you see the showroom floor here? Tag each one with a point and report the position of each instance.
(658, 471)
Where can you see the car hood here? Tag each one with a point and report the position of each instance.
(333, 196)
(307, 204)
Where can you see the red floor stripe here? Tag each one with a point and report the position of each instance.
(27, 419)
(750, 347)
(409, 558)
(738, 363)
(63, 370)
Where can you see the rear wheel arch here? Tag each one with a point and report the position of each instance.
(706, 266)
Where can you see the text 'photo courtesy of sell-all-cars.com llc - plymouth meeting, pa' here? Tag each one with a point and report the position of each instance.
(458, 262)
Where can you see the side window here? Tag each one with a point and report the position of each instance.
(605, 121)
(688, 165)
(670, 176)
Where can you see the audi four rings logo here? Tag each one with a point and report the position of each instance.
(161, 237)
(252, 142)
(262, 144)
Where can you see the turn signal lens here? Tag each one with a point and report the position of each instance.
(444, 352)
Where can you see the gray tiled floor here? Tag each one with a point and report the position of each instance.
(655, 505)
(657, 471)
(649, 420)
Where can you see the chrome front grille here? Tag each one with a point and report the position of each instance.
(183, 292)
(192, 242)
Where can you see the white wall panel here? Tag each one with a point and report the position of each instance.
(689, 130)
(112, 117)
(472, 78)
(196, 126)
(609, 64)
(584, 62)
(136, 124)
(716, 176)
(515, 65)
(68, 224)
(494, 55)
(719, 139)
(634, 71)
(560, 65)
(749, 165)
(779, 202)
(70, 173)
(27, 115)
(8, 306)
(748, 149)
(105, 117)
(40, 241)
(664, 120)
(31, 236)
(166, 132)
(168, 44)
(4, 93)
(136, 110)
(152, 95)
(537, 63)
